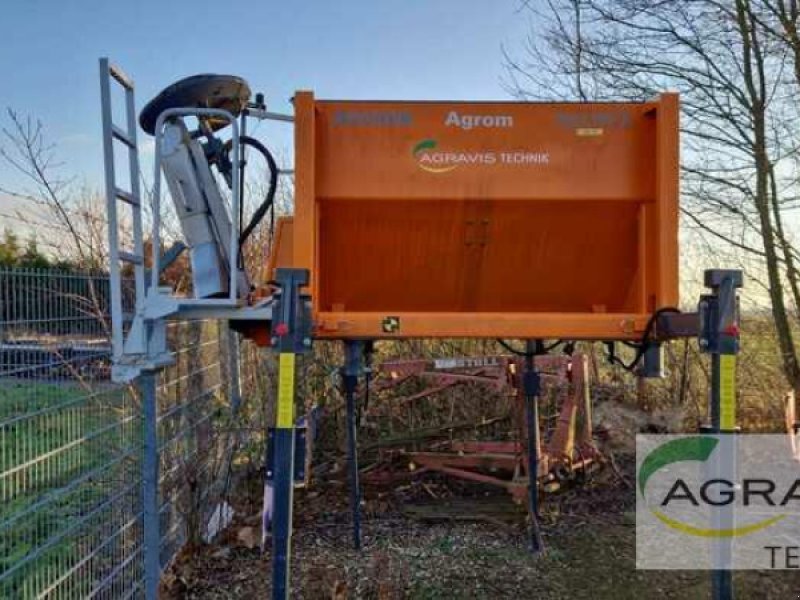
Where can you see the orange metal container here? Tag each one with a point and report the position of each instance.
(446, 219)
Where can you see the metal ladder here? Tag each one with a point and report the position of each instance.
(114, 194)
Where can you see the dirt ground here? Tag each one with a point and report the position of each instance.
(429, 540)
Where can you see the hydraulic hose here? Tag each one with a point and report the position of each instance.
(642, 345)
(269, 199)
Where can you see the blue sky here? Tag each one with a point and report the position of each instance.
(409, 49)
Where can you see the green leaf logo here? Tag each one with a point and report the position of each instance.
(697, 448)
(419, 150)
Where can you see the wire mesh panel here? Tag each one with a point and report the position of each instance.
(71, 518)
(193, 403)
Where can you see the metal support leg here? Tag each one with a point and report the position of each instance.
(284, 478)
(290, 336)
(720, 337)
(369, 350)
(353, 367)
(152, 536)
(531, 385)
(721, 579)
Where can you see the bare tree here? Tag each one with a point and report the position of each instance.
(736, 64)
(75, 214)
(72, 220)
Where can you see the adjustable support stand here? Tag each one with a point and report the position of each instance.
(532, 386)
(353, 368)
(291, 335)
(719, 336)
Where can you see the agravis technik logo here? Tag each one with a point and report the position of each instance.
(717, 501)
(429, 157)
(699, 449)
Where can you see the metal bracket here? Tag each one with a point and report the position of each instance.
(652, 365)
(719, 312)
(291, 325)
(145, 347)
(169, 257)
(671, 325)
(299, 473)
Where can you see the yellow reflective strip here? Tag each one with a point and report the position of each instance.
(727, 391)
(285, 418)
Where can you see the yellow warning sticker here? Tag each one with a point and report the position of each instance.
(727, 391)
(286, 364)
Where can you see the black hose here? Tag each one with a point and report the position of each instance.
(269, 199)
(641, 347)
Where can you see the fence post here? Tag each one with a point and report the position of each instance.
(234, 368)
(152, 535)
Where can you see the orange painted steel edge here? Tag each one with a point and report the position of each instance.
(601, 326)
(283, 246)
(668, 195)
(304, 223)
